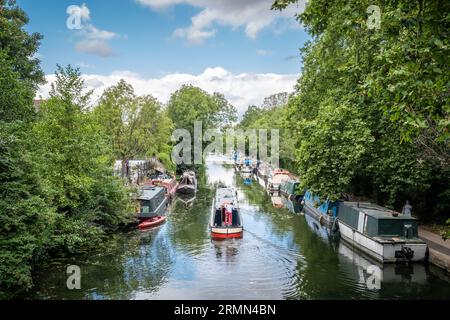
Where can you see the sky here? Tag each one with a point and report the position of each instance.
(239, 48)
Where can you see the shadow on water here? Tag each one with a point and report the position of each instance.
(281, 256)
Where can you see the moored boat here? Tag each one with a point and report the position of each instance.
(169, 183)
(225, 220)
(263, 172)
(188, 183)
(152, 222)
(274, 182)
(246, 172)
(187, 199)
(381, 233)
(151, 202)
(290, 195)
(323, 212)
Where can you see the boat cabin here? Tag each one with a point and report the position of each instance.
(152, 202)
(169, 183)
(226, 211)
(290, 188)
(376, 221)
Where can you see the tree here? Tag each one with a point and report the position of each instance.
(331, 149)
(251, 114)
(76, 165)
(189, 104)
(391, 79)
(275, 100)
(20, 71)
(135, 126)
(226, 115)
(25, 215)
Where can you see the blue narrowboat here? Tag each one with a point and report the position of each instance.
(322, 212)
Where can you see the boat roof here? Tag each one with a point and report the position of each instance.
(149, 193)
(280, 178)
(376, 211)
(225, 195)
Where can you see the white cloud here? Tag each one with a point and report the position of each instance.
(241, 90)
(252, 15)
(91, 32)
(97, 47)
(92, 40)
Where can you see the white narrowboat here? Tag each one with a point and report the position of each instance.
(385, 235)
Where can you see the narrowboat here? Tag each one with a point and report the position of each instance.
(385, 235)
(263, 172)
(322, 212)
(187, 199)
(274, 182)
(246, 171)
(169, 183)
(225, 221)
(152, 205)
(188, 183)
(290, 196)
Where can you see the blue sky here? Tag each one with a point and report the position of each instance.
(152, 39)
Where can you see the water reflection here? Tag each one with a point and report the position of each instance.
(281, 256)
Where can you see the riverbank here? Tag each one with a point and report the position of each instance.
(438, 249)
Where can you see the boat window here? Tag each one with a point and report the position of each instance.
(391, 227)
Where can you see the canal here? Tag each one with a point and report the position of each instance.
(279, 257)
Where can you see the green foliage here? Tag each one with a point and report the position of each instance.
(332, 147)
(226, 114)
(136, 126)
(19, 70)
(269, 119)
(190, 104)
(250, 116)
(371, 106)
(26, 220)
(75, 159)
(58, 192)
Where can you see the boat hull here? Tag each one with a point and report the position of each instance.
(218, 227)
(324, 220)
(227, 233)
(152, 222)
(382, 252)
(261, 180)
(186, 189)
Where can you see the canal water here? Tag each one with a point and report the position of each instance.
(279, 257)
